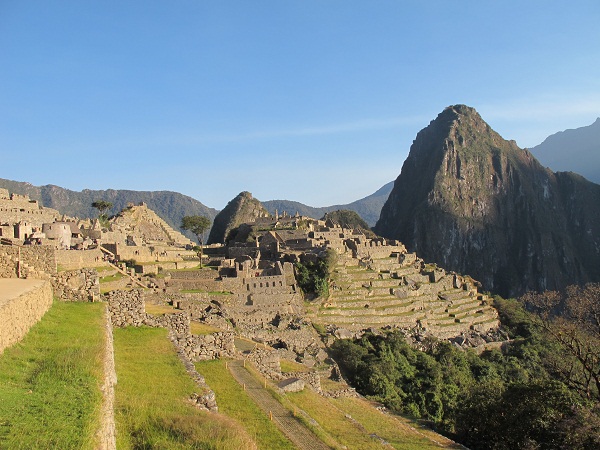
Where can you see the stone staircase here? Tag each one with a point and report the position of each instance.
(403, 292)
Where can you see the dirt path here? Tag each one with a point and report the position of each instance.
(301, 436)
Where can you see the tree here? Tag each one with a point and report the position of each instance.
(197, 225)
(571, 320)
(102, 206)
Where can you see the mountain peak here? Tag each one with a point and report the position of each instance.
(474, 202)
(241, 209)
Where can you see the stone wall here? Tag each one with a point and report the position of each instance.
(267, 362)
(79, 259)
(32, 261)
(81, 285)
(37, 217)
(208, 346)
(127, 308)
(202, 274)
(31, 300)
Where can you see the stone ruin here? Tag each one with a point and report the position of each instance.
(251, 290)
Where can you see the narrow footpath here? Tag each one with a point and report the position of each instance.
(301, 436)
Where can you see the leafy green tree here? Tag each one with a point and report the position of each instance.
(518, 396)
(197, 225)
(571, 321)
(313, 276)
(102, 206)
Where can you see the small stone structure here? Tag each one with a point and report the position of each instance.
(22, 304)
(291, 385)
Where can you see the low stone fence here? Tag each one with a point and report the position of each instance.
(267, 362)
(209, 346)
(202, 274)
(77, 285)
(29, 301)
(313, 379)
(127, 308)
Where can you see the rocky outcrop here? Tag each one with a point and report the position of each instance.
(477, 204)
(242, 209)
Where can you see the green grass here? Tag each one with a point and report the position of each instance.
(401, 433)
(288, 366)
(234, 402)
(160, 310)
(109, 278)
(202, 328)
(151, 406)
(356, 424)
(333, 420)
(50, 381)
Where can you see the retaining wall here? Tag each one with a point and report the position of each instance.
(77, 285)
(79, 259)
(34, 261)
(22, 304)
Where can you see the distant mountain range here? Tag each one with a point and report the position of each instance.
(477, 204)
(368, 207)
(170, 206)
(576, 150)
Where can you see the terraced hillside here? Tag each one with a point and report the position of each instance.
(401, 291)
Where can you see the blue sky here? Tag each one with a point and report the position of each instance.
(314, 101)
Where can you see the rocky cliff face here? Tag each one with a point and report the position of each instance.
(478, 204)
(243, 208)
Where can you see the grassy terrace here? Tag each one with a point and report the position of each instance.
(235, 403)
(355, 424)
(399, 432)
(151, 405)
(50, 381)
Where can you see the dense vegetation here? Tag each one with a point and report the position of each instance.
(534, 393)
(313, 275)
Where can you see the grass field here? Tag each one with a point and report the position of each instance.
(357, 425)
(151, 406)
(234, 402)
(50, 381)
(401, 433)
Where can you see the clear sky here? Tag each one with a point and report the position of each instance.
(316, 101)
